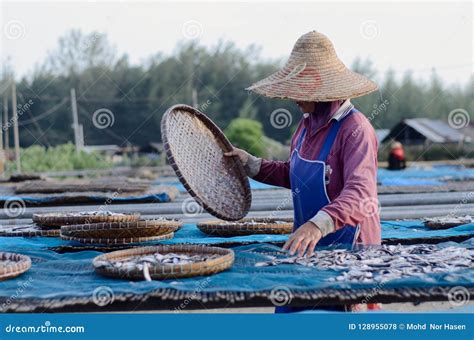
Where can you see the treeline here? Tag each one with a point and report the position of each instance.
(136, 96)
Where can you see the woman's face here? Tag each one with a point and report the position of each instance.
(306, 107)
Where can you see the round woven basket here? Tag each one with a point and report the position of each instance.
(116, 240)
(167, 271)
(439, 225)
(195, 149)
(29, 230)
(247, 226)
(142, 228)
(60, 219)
(12, 265)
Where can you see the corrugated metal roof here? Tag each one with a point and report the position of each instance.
(381, 134)
(435, 130)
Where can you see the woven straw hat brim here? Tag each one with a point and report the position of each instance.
(314, 73)
(307, 87)
(168, 271)
(21, 263)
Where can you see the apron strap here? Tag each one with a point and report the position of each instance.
(331, 137)
(300, 139)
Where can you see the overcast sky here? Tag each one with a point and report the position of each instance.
(403, 35)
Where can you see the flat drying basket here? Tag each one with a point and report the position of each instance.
(117, 241)
(440, 223)
(60, 219)
(247, 226)
(12, 265)
(27, 230)
(195, 148)
(142, 228)
(224, 261)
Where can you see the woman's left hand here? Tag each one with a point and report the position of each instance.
(304, 238)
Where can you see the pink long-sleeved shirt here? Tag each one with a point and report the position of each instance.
(352, 186)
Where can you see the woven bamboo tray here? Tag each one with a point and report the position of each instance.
(117, 240)
(439, 223)
(247, 226)
(12, 265)
(60, 219)
(53, 187)
(142, 228)
(195, 149)
(167, 271)
(28, 230)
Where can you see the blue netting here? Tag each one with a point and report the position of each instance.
(390, 229)
(425, 176)
(412, 176)
(158, 197)
(56, 275)
(254, 185)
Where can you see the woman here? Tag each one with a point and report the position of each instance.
(396, 158)
(333, 165)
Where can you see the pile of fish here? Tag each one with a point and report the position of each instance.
(384, 263)
(95, 213)
(142, 261)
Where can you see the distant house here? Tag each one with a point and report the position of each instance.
(381, 134)
(420, 131)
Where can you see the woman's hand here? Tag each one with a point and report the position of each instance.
(243, 155)
(304, 238)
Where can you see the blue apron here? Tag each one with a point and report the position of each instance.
(308, 186)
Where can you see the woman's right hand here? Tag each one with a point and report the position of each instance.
(242, 154)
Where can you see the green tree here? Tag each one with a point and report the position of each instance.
(246, 134)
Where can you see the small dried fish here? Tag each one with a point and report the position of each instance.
(383, 263)
(143, 262)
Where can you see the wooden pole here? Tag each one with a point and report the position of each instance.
(75, 120)
(5, 122)
(2, 153)
(16, 134)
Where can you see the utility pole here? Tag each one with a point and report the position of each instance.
(16, 134)
(194, 98)
(2, 153)
(5, 121)
(75, 120)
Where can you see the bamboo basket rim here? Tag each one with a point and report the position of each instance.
(32, 230)
(225, 145)
(58, 219)
(244, 227)
(153, 223)
(23, 263)
(168, 271)
(117, 241)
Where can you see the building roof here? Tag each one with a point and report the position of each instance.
(435, 130)
(381, 134)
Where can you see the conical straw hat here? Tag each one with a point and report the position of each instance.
(314, 73)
